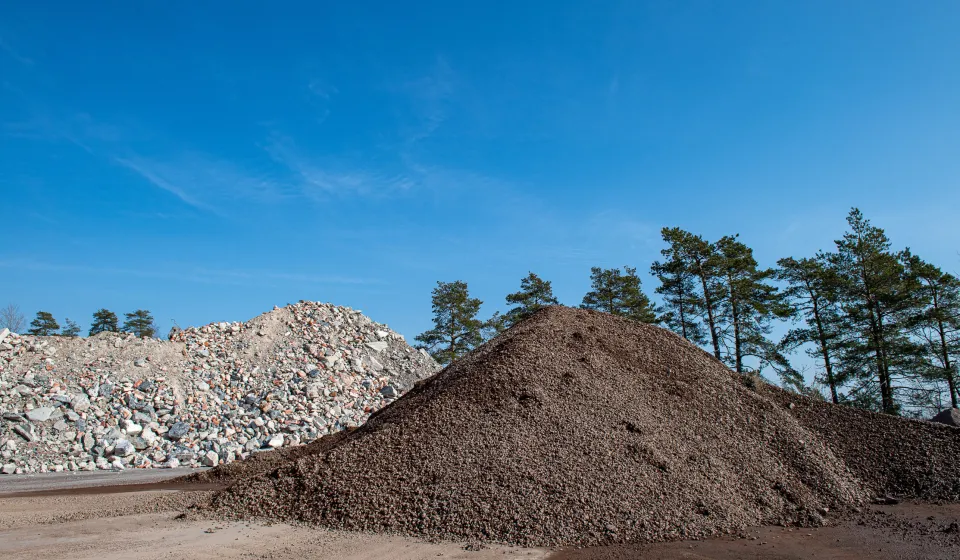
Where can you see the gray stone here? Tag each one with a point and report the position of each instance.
(25, 431)
(140, 363)
(123, 448)
(389, 392)
(60, 426)
(9, 468)
(12, 417)
(4, 334)
(41, 414)
(276, 441)
(178, 431)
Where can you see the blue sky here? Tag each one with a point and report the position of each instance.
(208, 162)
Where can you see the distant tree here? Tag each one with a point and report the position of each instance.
(11, 318)
(140, 323)
(750, 305)
(936, 323)
(535, 293)
(813, 290)
(618, 294)
(43, 325)
(456, 329)
(71, 329)
(104, 320)
(683, 305)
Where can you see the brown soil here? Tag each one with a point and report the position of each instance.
(890, 455)
(913, 531)
(573, 427)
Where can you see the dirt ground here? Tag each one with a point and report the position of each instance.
(138, 516)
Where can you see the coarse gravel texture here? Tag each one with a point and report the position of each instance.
(572, 428)
(892, 456)
(206, 397)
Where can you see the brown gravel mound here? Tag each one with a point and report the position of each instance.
(892, 456)
(573, 427)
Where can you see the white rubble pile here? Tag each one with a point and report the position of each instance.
(209, 395)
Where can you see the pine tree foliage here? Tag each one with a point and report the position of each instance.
(812, 289)
(140, 323)
(935, 322)
(535, 293)
(70, 329)
(619, 294)
(683, 306)
(750, 305)
(43, 324)
(104, 320)
(456, 328)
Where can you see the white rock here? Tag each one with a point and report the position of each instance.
(9, 468)
(210, 459)
(41, 414)
(276, 441)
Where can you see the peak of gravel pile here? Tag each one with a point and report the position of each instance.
(574, 427)
(208, 396)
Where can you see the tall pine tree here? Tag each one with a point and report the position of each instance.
(750, 305)
(535, 293)
(813, 290)
(936, 323)
(456, 329)
(71, 329)
(877, 297)
(618, 294)
(683, 305)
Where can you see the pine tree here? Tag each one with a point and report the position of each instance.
(936, 322)
(703, 261)
(456, 329)
(877, 297)
(104, 320)
(813, 290)
(750, 305)
(140, 323)
(43, 325)
(682, 302)
(71, 329)
(618, 294)
(535, 293)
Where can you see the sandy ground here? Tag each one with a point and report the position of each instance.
(136, 514)
(49, 517)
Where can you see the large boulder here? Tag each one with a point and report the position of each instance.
(950, 417)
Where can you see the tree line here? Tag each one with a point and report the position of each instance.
(139, 322)
(881, 327)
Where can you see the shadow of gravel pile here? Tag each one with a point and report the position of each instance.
(572, 428)
(890, 455)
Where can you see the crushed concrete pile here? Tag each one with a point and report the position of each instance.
(208, 396)
(572, 428)
(893, 457)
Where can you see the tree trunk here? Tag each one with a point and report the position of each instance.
(822, 336)
(709, 304)
(737, 344)
(945, 353)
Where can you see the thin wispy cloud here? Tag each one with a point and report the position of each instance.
(430, 97)
(316, 180)
(206, 182)
(13, 53)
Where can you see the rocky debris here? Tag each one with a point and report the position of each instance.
(209, 396)
(892, 456)
(564, 430)
(950, 417)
